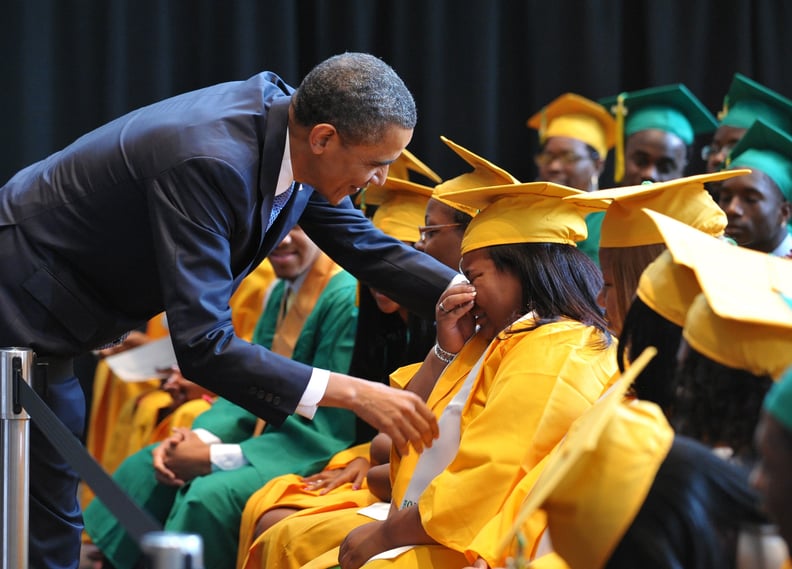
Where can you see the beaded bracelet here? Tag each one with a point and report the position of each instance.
(442, 355)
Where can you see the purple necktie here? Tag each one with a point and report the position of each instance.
(278, 202)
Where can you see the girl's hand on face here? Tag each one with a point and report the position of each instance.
(455, 322)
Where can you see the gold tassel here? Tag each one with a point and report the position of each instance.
(725, 110)
(619, 111)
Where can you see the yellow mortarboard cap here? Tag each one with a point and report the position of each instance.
(668, 288)
(407, 162)
(748, 101)
(672, 108)
(573, 116)
(521, 213)
(484, 173)
(685, 199)
(761, 349)
(440, 195)
(597, 478)
(740, 284)
(401, 207)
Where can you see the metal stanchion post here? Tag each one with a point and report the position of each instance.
(15, 365)
(171, 550)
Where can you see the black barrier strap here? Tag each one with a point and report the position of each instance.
(136, 521)
(16, 369)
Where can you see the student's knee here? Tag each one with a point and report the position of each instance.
(270, 518)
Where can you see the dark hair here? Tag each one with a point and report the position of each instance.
(384, 343)
(626, 266)
(718, 405)
(558, 281)
(643, 327)
(692, 514)
(359, 94)
(461, 217)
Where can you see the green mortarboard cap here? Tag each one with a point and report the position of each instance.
(672, 108)
(767, 149)
(778, 401)
(748, 100)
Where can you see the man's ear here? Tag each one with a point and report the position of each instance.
(320, 136)
(786, 211)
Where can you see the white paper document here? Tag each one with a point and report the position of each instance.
(142, 363)
(376, 511)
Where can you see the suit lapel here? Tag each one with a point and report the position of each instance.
(271, 156)
(272, 152)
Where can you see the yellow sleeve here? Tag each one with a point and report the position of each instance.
(344, 457)
(402, 376)
(487, 544)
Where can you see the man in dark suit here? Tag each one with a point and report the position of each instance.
(169, 207)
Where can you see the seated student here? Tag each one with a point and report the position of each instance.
(665, 291)
(629, 240)
(532, 302)
(622, 491)
(655, 318)
(738, 339)
(745, 102)
(445, 221)
(691, 478)
(656, 128)
(181, 402)
(342, 483)
(719, 386)
(758, 205)
(773, 439)
(575, 135)
(198, 481)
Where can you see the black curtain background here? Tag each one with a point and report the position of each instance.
(478, 68)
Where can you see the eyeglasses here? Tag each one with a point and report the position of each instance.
(427, 231)
(567, 158)
(713, 149)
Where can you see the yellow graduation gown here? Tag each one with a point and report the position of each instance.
(289, 491)
(307, 534)
(532, 386)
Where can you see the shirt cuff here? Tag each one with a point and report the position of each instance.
(314, 392)
(207, 437)
(226, 457)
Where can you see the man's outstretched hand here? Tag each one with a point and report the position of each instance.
(400, 414)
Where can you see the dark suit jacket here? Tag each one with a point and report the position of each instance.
(166, 208)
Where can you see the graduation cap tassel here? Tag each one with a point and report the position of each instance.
(620, 111)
